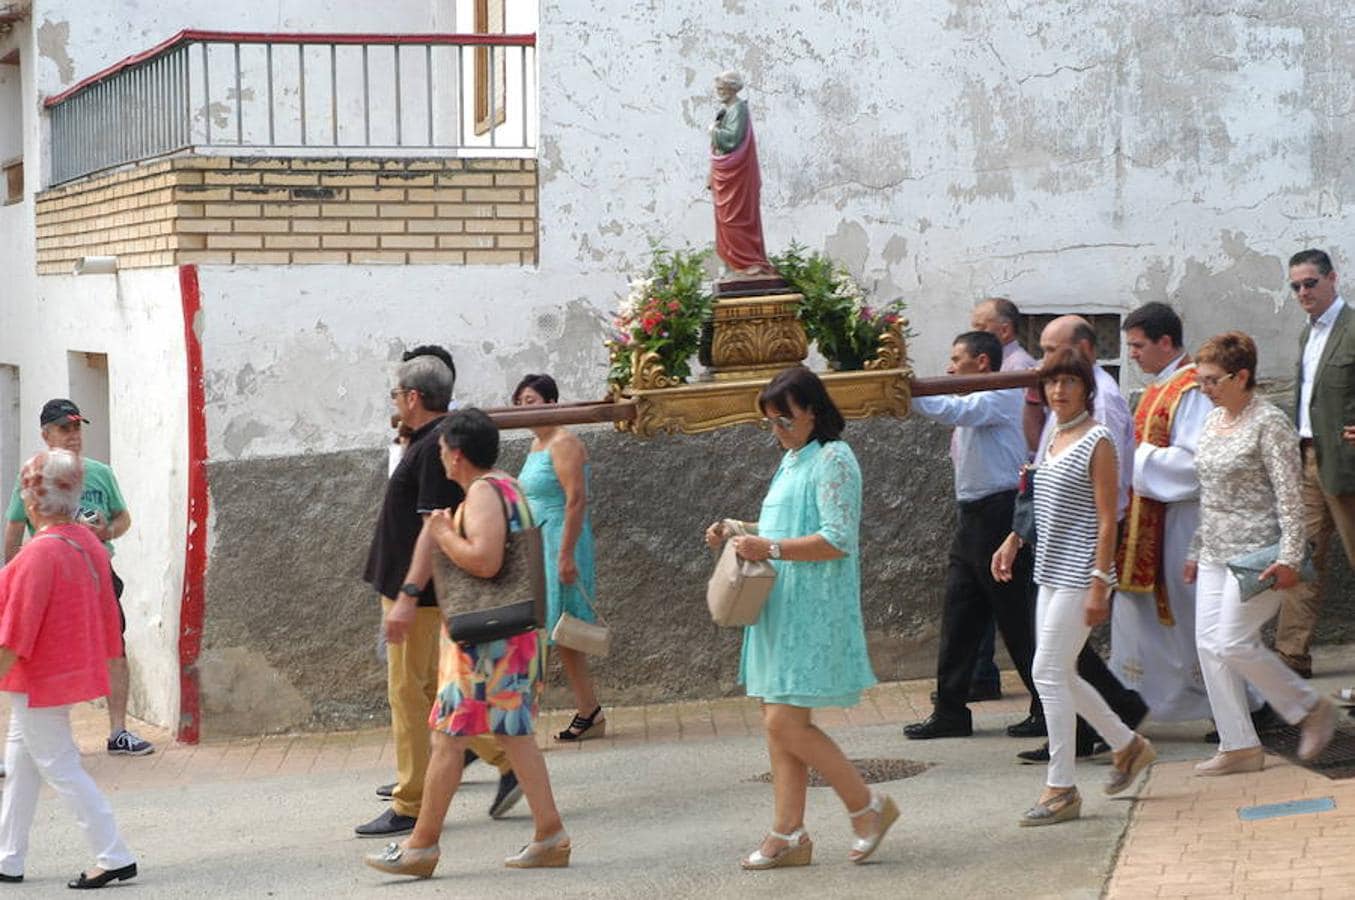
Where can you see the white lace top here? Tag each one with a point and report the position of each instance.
(1249, 486)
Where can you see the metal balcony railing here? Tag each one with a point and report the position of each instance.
(320, 94)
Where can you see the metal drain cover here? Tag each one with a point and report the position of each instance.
(874, 770)
(1337, 761)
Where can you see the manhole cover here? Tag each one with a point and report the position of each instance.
(874, 771)
(1337, 761)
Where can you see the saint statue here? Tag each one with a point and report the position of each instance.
(735, 182)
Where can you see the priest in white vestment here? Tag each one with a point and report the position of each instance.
(1153, 645)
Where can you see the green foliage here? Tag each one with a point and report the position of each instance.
(835, 314)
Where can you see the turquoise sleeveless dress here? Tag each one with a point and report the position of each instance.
(546, 496)
(808, 648)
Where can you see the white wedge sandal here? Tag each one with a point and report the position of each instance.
(797, 852)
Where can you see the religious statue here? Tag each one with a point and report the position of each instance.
(735, 182)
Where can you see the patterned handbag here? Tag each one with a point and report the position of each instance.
(478, 616)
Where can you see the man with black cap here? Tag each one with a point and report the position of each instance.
(104, 512)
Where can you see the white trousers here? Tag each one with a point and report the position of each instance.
(40, 748)
(1228, 635)
(1060, 632)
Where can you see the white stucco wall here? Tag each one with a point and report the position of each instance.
(944, 151)
(140, 328)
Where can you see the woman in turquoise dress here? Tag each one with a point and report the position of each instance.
(555, 479)
(808, 648)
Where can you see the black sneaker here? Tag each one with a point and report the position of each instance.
(124, 743)
(388, 824)
(509, 793)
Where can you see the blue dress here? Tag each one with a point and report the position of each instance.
(546, 496)
(808, 648)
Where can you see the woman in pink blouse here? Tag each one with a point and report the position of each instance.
(58, 630)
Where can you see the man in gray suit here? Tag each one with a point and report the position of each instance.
(1325, 415)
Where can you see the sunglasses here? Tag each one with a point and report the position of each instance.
(1211, 381)
(1305, 284)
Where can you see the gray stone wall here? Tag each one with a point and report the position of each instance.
(290, 635)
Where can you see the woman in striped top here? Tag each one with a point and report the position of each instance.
(1076, 492)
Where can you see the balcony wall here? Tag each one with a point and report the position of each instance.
(295, 211)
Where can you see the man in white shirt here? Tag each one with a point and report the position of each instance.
(1325, 416)
(1154, 613)
(1110, 409)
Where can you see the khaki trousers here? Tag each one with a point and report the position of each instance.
(411, 688)
(1322, 514)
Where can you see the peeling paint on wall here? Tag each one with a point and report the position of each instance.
(52, 39)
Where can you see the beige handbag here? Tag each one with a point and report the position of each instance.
(591, 638)
(738, 588)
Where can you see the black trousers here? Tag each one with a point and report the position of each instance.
(973, 598)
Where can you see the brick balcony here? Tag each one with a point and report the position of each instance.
(295, 211)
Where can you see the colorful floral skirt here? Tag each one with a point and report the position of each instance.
(491, 688)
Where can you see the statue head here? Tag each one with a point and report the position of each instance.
(728, 84)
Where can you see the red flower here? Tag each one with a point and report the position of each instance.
(674, 306)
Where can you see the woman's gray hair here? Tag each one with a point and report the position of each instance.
(730, 79)
(431, 378)
(53, 480)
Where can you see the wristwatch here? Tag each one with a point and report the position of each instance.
(774, 551)
(411, 589)
(1103, 577)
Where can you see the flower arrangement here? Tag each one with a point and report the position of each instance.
(662, 314)
(835, 314)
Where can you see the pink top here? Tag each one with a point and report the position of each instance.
(60, 622)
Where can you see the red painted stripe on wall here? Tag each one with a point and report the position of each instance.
(193, 607)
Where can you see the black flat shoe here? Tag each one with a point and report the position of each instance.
(1040, 755)
(84, 882)
(935, 726)
(10, 879)
(1029, 727)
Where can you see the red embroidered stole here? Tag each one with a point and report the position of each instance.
(1139, 560)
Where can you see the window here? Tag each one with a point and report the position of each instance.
(9, 429)
(89, 390)
(490, 18)
(1109, 354)
(11, 131)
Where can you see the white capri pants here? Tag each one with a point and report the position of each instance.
(1060, 632)
(40, 748)
(1228, 635)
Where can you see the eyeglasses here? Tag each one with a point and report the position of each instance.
(785, 423)
(1211, 381)
(396, 392)
(1305, 284)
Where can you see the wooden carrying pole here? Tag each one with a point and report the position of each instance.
(589, 413)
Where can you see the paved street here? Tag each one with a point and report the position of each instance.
(665, 805)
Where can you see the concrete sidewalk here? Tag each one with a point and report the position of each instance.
(666, 804)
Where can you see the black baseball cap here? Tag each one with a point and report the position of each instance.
(60, 410)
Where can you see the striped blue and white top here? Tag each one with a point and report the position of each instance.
(1065, 514)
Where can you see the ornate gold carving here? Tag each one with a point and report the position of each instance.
(647, 373)
(893, 350)
(707, 406)
(757, 334)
